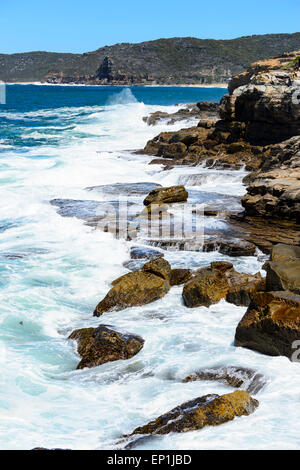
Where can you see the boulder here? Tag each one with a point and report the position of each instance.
(207, 288)
(99, 345)
(133, 289)
(271, 324)
(219, 281)
(208, 410)
(166, 195)
(243, 286)
(283, 271)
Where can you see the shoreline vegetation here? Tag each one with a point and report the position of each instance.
(178, 60)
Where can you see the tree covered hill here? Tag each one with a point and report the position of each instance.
(163, 61)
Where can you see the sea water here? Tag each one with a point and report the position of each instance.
(54, 142)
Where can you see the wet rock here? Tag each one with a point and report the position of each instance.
(237, 248)
(166, 195)
(231, 247)
(139, 256)
(99, 345)
(133, 289)
(44, 448)
(243, 286)
(209, 410)
(206, 289)
(219, 281)
(141, 252)
(283, 271)
(271, 324)
(159, 267)
(264, 233)
(201, 110)
(124, 189)
(238, 377)
(179, 276)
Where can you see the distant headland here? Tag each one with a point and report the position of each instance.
(175, 61)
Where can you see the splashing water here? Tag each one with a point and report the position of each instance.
(56, 141)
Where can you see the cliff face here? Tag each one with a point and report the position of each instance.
(266, 99)
(164, 61)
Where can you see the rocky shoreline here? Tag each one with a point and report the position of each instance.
(256, 127)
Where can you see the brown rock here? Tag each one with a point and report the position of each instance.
(209, 285)
(221, 265)
(179, 276)
(102, 344)
(283, 271)
(160, 267)
(132, 289)
(271, 324)
(243, 286)
(209, 410)
(207, 288)
(166, 195)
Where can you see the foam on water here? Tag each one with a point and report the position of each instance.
(57, 271)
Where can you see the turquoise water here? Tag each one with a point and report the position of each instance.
(54, 142)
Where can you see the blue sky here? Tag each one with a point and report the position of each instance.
(85, 25)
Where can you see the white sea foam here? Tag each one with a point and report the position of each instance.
(67, 268)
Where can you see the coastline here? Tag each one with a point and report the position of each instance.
(196, 85)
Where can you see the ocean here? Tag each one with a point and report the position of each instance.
(55, 141)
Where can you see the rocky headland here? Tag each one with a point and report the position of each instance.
(258, 129)
(169, 61)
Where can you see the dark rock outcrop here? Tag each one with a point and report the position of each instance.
(274, 190)
(99, 345)
(271, 324)
(237, 377)
(209, 410)
(201, 110)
